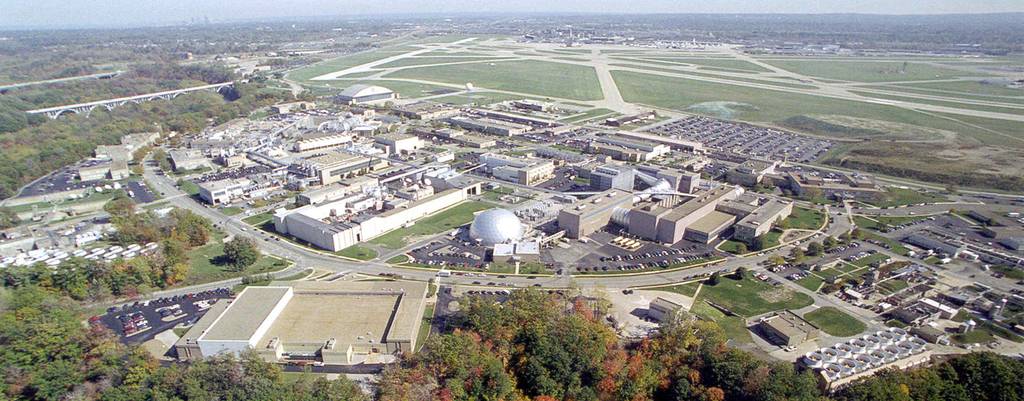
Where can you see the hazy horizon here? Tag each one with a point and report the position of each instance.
(125, 13)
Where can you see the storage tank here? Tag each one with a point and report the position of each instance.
(858, 345)
(831, 355)
(813, 359)
(845, 350)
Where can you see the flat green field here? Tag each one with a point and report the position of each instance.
(758, 105)
(969, 87)
(451, 218)
(481, 98)
(358, 252)
(343, 62)
(954, 104)
(868, 71)
(805, 219)
(414, 61)
(408, 90)
(726, 63)
(207, 264)
(533, 77)
(734, 327)
(835, 322)
(752, 297)
(811, 282)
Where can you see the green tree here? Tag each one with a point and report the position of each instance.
(713, 279)
(831, 242)
(815, 249)
(740, 273)
(241, 252)
(797, 254)
(741, 248)
(8, 218)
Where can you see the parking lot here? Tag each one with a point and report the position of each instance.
(746, 139)
(611, 258)
(138, 322)
(139, 192)
(60, 181)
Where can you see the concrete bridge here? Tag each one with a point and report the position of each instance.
(110, 104)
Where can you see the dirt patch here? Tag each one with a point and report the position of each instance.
(863, 128)
(776, 295)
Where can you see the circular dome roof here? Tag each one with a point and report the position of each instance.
(496, 226)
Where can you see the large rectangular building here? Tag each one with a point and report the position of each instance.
(334, 167)
(489, 126)
(330, 226)
(337, 323)
(668, 224)
(590, 215)
(788, 329)
(523, 171)
(761, 220)
(399, 143)
(223, 191)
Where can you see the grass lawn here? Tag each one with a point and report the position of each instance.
(231, 210)
(835, 322)
(891, 286)
(894, 245)
(867, 260)
(811, 282)
(358, 252)
(535, 77)
(428, 318)
(257, 220)
(398, 259)
(688, 289)
(727, 63)
(479, 98)
(899, 197)
(294, 377)
(1010, 272)
(735, 328)
(448, 219)
(189, 187)
(343, 62)
(207, 264)
(872, 71)
(751, 297)
(180, 331)
(952, 103)
(805, 219)
(427, 60)
(408, 90)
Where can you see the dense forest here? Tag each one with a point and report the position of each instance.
(35, 149)
(536, 346)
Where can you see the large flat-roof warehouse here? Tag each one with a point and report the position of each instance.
(336, 322)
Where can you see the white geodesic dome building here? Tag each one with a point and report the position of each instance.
(496, 226)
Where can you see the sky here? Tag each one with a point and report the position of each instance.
(115, 13)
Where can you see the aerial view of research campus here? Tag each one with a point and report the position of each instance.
(524, 200)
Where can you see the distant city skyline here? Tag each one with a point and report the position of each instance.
(124, 13)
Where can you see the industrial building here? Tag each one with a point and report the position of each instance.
(935, 245)
(187, 159)
(523, 171)
(463, 139)
(397, 143)
(788, 329)
(362, 216)
(333, 167)
(321, 140)
(496, 226)
(489, 126)
(751, 172)
(103, 169)
(673, 143)
(425, 111)
(849, 361)
(657, 213)
(337, 322)
(629, 150)
(662, 310)
(669, 222)
(757, 215)
(366, 94)
(223, 191)
(841, 187)
(612, 177)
